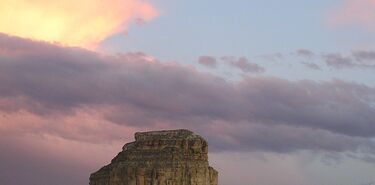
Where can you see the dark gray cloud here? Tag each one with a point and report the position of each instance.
(281, 138)
(364, 56)
(311, 65)
(339, 61)
(143, 92)
(357, 59)
(243, 64)
(307, 57)
(305, 53)
(207, 61)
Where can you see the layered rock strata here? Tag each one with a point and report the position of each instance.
(171, 157)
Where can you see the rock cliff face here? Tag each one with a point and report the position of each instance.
(173, 157)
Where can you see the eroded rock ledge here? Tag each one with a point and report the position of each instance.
(169, 157)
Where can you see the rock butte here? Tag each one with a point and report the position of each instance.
(168, 157)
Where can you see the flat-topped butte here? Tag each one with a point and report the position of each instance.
(167, 157)
(166, 135)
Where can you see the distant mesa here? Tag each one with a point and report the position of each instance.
(168, 157)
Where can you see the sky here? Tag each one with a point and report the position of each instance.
(283, 91)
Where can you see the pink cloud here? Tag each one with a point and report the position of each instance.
(92, 127)
(355, 12)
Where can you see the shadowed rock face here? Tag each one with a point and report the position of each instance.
(172, 157)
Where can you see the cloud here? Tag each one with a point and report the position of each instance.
(207, 61)
(307, 56)
(364, 56)
(54, 97)
(82, 23)
(339, 61)
(243, 64)
(305, 53)
(285, 139)
(311, 65)
(355, 12)
(50, 160)
(357, 59)
(137, 91)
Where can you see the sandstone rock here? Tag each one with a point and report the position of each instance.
(172, 157)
